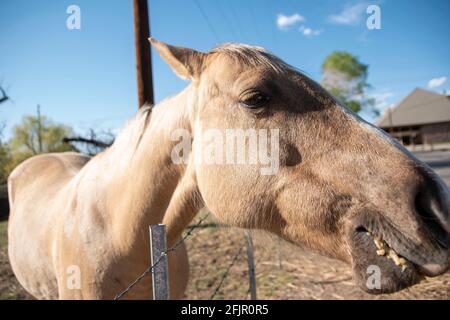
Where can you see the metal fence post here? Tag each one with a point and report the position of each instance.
(251, 265)
(160, 271)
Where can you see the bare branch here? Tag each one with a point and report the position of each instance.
(4, 96)
(94, 142)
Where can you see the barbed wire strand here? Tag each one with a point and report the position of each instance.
(164, 253)
(225, 274)
(208, 22)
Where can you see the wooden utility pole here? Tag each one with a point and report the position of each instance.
(143, 53)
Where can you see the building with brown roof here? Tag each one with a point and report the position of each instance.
(423, 117)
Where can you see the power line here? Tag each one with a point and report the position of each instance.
(235, 16)
(207, 20)
(274, 30)
(255, 26)
(225, 18)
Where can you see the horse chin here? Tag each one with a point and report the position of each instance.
(378, 271)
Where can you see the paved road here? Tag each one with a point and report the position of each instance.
(439, 161)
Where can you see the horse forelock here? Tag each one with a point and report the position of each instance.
(254, 56)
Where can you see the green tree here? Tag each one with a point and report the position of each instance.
(4, 154)
(346, 78)
(35, 135)
(5, 159)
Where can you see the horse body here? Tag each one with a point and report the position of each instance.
(80, 229)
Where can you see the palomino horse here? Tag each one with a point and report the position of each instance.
(341, 187)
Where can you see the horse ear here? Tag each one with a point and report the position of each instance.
(186, 63)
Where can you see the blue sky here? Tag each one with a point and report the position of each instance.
(86, 78)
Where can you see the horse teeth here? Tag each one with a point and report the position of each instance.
(378, 243)
(391, 254)
(399, 261)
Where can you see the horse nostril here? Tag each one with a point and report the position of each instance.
(429, 205)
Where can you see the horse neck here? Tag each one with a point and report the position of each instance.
(143, 175)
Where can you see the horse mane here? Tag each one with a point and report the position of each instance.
(146, 113)
(131, 133)
(162, 116)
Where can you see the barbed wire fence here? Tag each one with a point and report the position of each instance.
(162, 255)
(162, 258)
(226, 273)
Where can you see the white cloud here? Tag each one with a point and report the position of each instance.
(350, 15)
(436, 82)
(382, 99)
(308, 32)
(285, 22)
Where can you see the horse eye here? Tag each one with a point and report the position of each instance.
(254, 99)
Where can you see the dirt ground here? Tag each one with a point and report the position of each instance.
(282, 271)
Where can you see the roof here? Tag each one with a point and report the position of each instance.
(418, 108)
